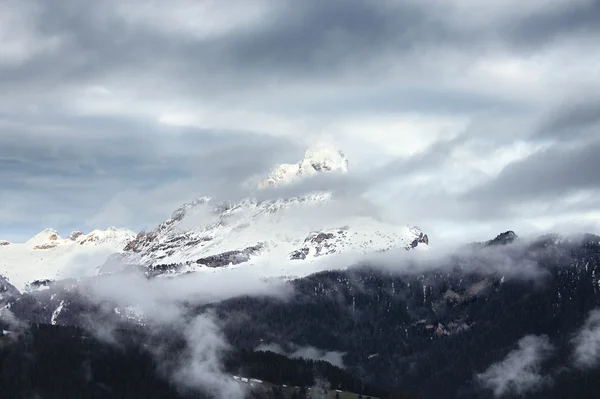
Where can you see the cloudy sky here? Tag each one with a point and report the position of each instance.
(469, 117)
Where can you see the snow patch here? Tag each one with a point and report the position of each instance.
(56, 313)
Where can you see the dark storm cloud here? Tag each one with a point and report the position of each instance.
(573, 119)
(330, 63)
(545, 175)
(545, 178)
(302, 38)
(556, 22)
(111, 147)
(309, 39)
(314, 37)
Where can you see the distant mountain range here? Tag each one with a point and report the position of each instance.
(202, 235)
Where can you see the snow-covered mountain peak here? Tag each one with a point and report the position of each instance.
(321, 158)
(205, 234)
(180, 212)
(49, 238)
(208, 234)
(325, 158)
(46, 236)
(48, 256)
(110, 235)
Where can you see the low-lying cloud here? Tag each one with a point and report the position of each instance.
(520, 371)
(516, 260)
(14, 324)
(201, 365)
(305, 352)
(162, 299)
(586, 342)
(166, 303)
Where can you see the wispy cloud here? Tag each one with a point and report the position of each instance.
(440, 105)
(586, 352)
(201, 366)
(167, 303)
(304, 352)
(520, 371)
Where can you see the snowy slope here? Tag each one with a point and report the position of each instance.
(272, 228)
(47, 256)
(293, 230)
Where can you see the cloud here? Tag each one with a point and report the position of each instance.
(10, 322)
(8, 317)
(87, 183)
(201, 366)
(519, 371)
(308, 352)
(304, 352)
(109, 108)
(162, 300)
(586, 352)
(516, 260)
(172, 304)
(577, 116)
(544, 174)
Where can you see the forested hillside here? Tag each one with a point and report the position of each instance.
(432, 333)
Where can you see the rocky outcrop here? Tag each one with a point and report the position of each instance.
(421, 239)
(138, 242)
(229, 257)
(224, 259)
(74, 235)
(507, 237)
(49, 245)
(320, 243)
(4, 243)
(39, 284)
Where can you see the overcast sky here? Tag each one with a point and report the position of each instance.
(470, 117)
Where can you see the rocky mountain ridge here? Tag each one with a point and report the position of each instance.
(207, 234)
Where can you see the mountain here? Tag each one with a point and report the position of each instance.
(203, 235)
(436, 330)
(48, 256)
(322, 158)
(424, 324)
